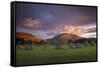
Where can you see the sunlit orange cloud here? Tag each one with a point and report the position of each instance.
(31, 23)
(76, 30)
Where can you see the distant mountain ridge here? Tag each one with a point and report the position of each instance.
(64, 38)
(61, 38)
(67, 36)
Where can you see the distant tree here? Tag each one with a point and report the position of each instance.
(87, 43)
(19, 41)
(28, 44)
(93, 43)
(58, 44)
(72, 45)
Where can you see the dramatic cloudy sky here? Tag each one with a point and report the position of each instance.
(47, 21)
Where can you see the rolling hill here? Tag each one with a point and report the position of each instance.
(67, 36)
(27, 36)
(64, 38)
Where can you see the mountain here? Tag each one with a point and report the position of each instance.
(67, 36)
(64, 38)
(27, 36)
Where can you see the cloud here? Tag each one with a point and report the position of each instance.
(89, 26)
(88, 35)
(76, 30)
(30, 23)
(90, 30)
(52, 33)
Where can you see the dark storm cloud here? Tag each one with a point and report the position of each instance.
(44, 17)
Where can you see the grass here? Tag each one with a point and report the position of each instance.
(49, 55)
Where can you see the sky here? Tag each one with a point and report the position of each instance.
(47, 21)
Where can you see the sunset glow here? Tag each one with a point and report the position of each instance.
(30, 23)
(74, 30)
(39, 20)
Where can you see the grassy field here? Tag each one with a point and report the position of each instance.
(48, 55)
